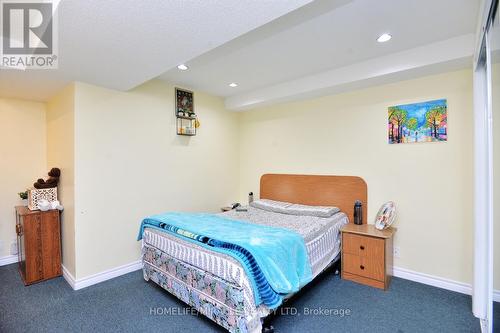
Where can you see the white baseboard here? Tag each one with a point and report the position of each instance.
(8, 260)
(432, 280)
(435, 281)
(496, 295)
(68, 277)
(87, 281)
(403, 273)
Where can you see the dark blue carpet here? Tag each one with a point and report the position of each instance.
(128, 303)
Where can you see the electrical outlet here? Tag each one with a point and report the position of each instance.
(13, 248)
(396, 252)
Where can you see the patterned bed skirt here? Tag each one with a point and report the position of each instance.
(220, 300)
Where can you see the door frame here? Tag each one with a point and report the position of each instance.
(482, 291)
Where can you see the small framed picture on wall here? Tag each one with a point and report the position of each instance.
(184, 103)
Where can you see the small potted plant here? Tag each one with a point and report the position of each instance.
(24, 197)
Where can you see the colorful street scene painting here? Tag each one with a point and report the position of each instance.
(418, 122)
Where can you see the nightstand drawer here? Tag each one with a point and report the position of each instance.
(362, 246)
(370, 267)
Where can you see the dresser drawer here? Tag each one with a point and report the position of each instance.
(362, 246)
(369, 267)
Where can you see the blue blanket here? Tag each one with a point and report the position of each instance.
(275, 259)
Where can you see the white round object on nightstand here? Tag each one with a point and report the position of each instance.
(385, 216)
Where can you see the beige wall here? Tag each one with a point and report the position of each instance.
(347, 135)
(121, 160)
(22, 159)
(60, 153)
(130, 163)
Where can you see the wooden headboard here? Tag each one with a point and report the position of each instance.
(339, 191)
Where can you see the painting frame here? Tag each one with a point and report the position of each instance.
(184, 102)
(418, 122)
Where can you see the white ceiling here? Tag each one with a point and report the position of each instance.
(324, 38)
(273, 49)
(120, 44)
(448, 55)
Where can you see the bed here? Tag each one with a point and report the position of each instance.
(217, 284)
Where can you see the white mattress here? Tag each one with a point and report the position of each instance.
(221, 265)
(322, 243)
(321, 236)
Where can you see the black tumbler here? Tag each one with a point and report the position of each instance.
(358, 212)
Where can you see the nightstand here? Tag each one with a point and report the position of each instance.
(38, 244)
(367, 255)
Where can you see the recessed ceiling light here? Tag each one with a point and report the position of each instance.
(233, 85)
(384, 38)
(182, 67)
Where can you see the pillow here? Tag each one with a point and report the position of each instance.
(294, 209)
(305, 210)
(270, 205)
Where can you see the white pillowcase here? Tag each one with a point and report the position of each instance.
(294, 209)
(270, 205)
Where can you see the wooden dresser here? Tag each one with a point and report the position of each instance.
(38, 244)
(367, 255)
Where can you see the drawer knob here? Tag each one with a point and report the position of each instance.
(361, 247)
(361, 266)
